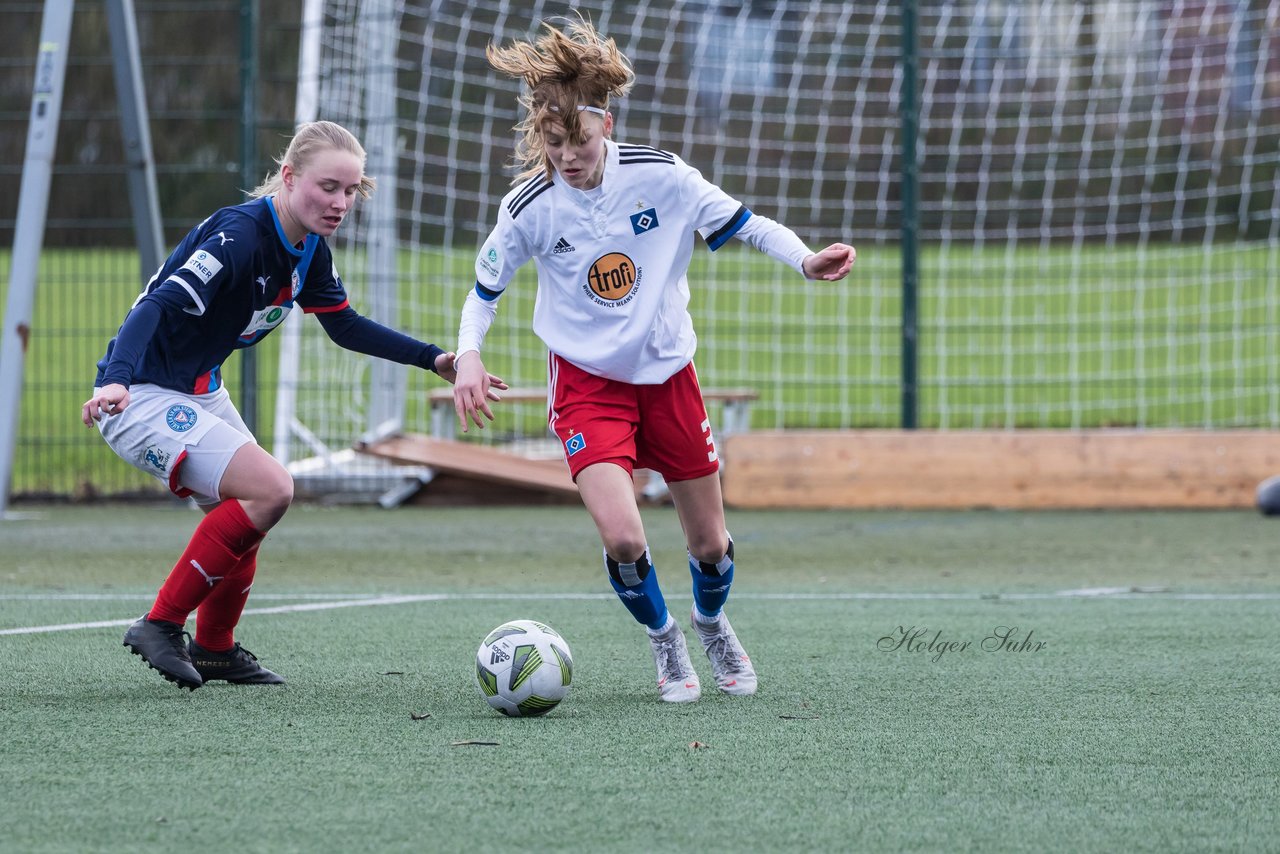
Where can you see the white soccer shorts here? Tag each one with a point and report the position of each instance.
(186, 441)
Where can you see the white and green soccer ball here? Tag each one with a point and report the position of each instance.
(524, 668)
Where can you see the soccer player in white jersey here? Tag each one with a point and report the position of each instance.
(160, 404)
(611, 227)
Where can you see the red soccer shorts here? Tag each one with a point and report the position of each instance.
(660, 427)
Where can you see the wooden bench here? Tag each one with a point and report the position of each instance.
(735, 416)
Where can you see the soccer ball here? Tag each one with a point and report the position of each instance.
(524, 668)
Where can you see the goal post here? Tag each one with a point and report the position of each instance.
(1099, 204)
(37, 176)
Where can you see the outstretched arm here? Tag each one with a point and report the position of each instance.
(778, 241)
(353, 331)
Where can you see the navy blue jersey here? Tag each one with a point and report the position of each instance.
(235, 277)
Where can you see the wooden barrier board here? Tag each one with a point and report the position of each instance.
(735, 416)
(1004, 469)
(475, 461)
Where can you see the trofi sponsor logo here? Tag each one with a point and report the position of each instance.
(203, 265)
(612, 279)
(646, 220)
(180, 418)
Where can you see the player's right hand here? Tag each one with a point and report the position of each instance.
(109, 400)
(471, 393)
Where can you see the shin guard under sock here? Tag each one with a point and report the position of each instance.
(637, 586)
(219, 614)
(214, 552)
(711, 582)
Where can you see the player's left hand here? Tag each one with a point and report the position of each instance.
(831, 264)
(447, 369)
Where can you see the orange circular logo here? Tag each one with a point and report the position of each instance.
(612, 276)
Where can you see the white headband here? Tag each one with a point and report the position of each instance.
(583, 109)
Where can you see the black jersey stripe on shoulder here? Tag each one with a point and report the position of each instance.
(627, 161)
(646, 157)
(624, 147)
(528, 187)
(643, 154)
(528, 193)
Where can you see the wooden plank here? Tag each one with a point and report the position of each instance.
(1008, 469)
(444, 420)
(475, 461)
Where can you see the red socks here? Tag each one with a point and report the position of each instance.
(218, 614)
(222, 540)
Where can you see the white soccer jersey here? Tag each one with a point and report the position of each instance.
(612, 291)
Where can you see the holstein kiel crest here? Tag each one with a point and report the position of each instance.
(180, 418)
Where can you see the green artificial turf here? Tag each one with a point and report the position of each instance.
(1120, 720)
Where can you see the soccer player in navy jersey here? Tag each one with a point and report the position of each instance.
(611, 229)
(160, 403)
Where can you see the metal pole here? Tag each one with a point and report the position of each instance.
(143, 198)
(28, 235)
(910, 109)
(387, 381)
(248, 177)
(305, 110)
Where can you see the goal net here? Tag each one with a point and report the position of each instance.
(1099, 205)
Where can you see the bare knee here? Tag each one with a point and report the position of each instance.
(708, 546)
(270, 498)
(623, 547)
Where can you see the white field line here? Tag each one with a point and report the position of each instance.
(377, 600)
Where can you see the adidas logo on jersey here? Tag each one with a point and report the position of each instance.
(562, 246)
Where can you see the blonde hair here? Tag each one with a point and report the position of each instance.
(309, 140)
(562, 72)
